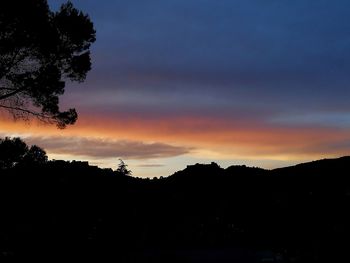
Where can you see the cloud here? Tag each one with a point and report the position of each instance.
(339, 147)
(150, 165)
(103, 148)
(326, 119)
(243, 60)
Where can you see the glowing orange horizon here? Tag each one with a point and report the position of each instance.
(201, 134)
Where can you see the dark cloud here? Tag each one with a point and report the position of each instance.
(275, 55)
(101, 148)
(340, 147)
(220, 36)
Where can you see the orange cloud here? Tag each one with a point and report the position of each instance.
(218, 137)
(105, 148)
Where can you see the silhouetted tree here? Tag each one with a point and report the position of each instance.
(39, 51)
(15, 151)
(123, 168)
(12, 152)
(35, 155)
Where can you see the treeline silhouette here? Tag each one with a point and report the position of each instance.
(58, 210)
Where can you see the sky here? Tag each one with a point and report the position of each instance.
(178, 82)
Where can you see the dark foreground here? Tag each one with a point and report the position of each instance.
(71, 211)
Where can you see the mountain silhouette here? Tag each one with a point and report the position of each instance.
(204, 213)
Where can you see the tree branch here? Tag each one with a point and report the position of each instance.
(3, 88)
(10, 94)
(36, 114)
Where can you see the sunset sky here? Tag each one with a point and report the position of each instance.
(176, 82)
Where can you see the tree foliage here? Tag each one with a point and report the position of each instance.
(123, 168)
(15, 151)
(35, 155)
(12, 152)
(39, 51)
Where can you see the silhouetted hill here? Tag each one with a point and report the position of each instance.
(320, 167)
(204, 213)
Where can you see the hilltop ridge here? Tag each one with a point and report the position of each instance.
(203, 213)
